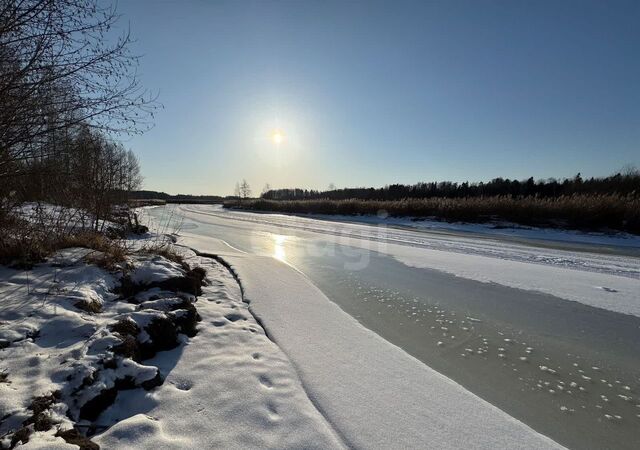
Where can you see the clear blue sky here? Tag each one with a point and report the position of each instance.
(376, 92)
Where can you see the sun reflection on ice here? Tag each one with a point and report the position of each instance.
(278, 247)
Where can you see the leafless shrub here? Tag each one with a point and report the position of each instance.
(163, 237)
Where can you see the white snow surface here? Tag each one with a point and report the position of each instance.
(228, 387)
(59, 217)
(601, 280)
(371, 392)
(155, 269)
(48, 339)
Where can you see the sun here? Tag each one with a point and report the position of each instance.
(277, 136)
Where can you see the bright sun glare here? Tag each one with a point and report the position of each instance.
(278, 248)
(277, 137)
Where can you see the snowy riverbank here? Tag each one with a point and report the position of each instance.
(371, 392)
(491, 314)
(272, 363)
(134, 370)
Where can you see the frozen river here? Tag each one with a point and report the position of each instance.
(547, 330)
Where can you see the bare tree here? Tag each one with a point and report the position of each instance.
(266, 188)
(245, 189)
(58, 70)
(103, 172)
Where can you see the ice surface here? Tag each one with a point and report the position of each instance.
(601, 280)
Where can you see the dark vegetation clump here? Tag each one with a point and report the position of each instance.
(32, 334)
(153, 382)
(39, 419)
(163, 333)
(74, 437)
(20, 437)
(198, 273)
(128, 348)
(111, 363)
(125, 327)
(39, 406)
(191, 283)
(92, 307)
(94, 407)
(189, 318)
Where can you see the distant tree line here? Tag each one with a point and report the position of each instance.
(178, 198)
(625, 183)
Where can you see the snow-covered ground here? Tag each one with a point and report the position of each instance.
(371, 392)
(54, 340)
(228, 386)
(59, 218)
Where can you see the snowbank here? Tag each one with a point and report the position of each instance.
(228, 387)
(130, 368)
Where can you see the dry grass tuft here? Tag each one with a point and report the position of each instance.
(92, 307)
(74, 437)
(22, 250)
(167, 251)
(125, 327)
